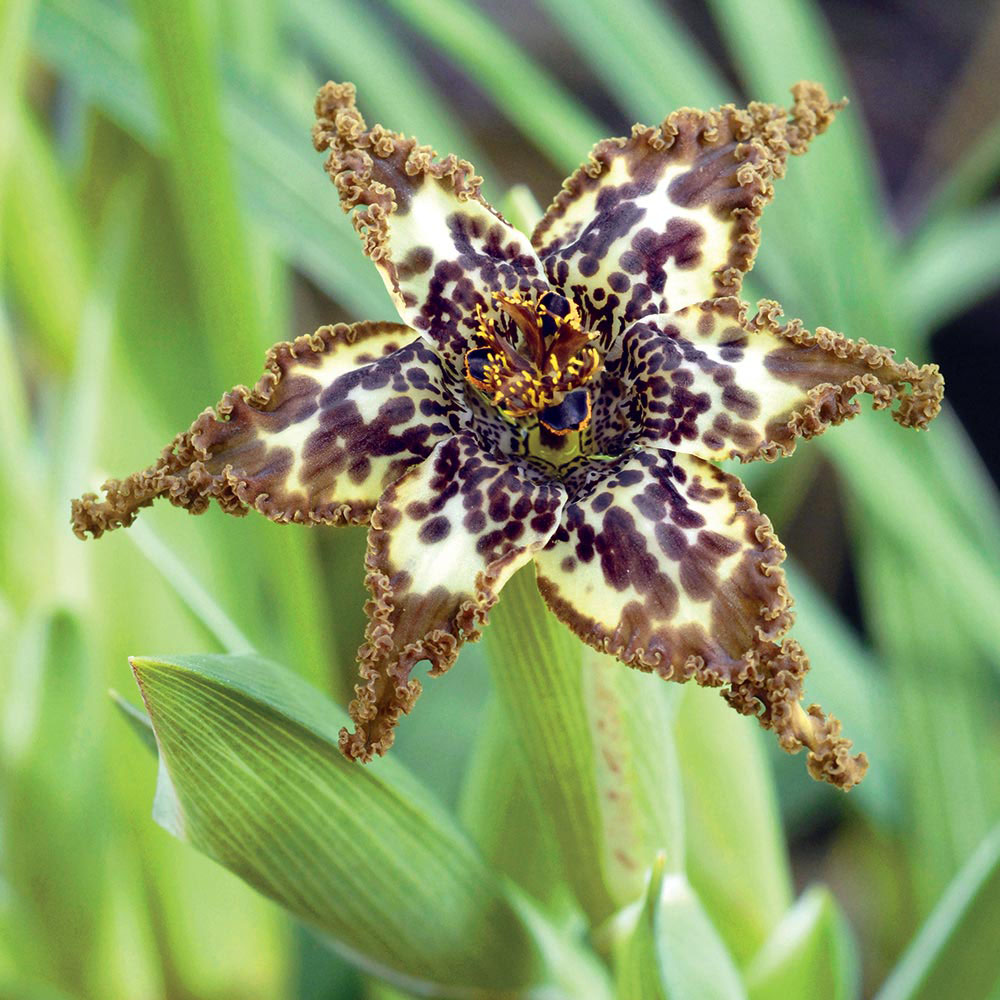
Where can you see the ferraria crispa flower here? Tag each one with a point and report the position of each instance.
(559, 399)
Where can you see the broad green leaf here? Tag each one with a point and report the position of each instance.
(251, 776)
(671, 951)
(597, 745)
(735, 846)
(955, 952)
(809, 954)
(558, 124)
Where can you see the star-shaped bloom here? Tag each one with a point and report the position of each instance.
(558, 399)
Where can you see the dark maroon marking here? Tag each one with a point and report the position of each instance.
(742, 402)
(434, 530)
(650, 251)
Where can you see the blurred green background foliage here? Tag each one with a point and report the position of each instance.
(163, 221)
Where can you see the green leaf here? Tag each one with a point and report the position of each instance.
(950, 267)
(505, 818)
(955, 953)
(849, 680)
(832, 259)
(187, 89)
(944, 699)
(542, 108)
(672, 951)
(251, 776)
(138, 721)
(809, 954)
(735, 845)
(970, 179)
(42, 237)
(646, 56)
(597, 747)
(97, 48)
(391, 82)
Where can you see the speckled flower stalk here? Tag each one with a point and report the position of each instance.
(558, 399)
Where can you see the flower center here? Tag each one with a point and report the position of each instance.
(533, 358)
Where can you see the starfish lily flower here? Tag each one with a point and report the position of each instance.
(559, 399)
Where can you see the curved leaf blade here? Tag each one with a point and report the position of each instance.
(810, 953)
(251, 776)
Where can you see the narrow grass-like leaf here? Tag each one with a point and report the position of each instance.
(596, 741)
(647, 58)
(190, 590)
(848, 680)
(900, 501)
(809, 954)
(352, 39)
(946, 737)
(15, 33)
(970, 179)
(251, 776)
(955, 953)
(98, 49)
(42, 240)
(949, 268)
(837, 251)
(187, 89)
(672, 951)
(138, 721)
(529, 96)
(51, 799)
(734, 835)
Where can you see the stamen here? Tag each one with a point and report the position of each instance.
(533, 357)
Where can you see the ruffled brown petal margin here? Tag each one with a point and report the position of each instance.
(668, 565)
(772, 691)
(440, 247)
(713, 383)
(334, 419)
(443, 541)
(668, 217)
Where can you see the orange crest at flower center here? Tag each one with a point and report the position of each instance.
(534, 358)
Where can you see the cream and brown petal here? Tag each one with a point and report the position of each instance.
(710, 381)
(668, 217)
(666, 563)
(443, 540)
(440, 247)
(335, 418)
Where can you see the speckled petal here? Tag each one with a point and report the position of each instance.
(712, 382)
(668, 217)
(335, 418)
(439, 246)
(666, 563)
(443, 540)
